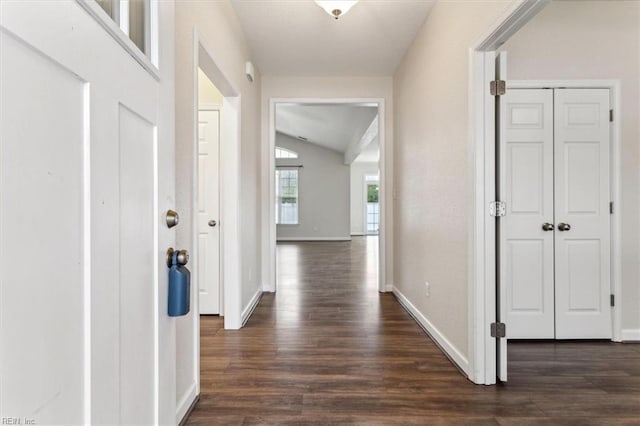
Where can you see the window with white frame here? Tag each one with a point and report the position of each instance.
(286, 196)
(285, 153)
(133, 17)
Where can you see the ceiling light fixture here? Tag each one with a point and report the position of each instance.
(336, 8)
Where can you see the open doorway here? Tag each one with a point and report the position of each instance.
(207, 170)
(321, 151)
(553, 239)
(326, 203)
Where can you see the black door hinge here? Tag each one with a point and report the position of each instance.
(498, 329)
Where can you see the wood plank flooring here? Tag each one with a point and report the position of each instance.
(329, 349)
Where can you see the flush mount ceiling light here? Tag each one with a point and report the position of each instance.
(336, 8)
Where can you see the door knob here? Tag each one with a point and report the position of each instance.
(564, 227)
(172, 218)
(182, 258)
(547, 226)
(212, 223)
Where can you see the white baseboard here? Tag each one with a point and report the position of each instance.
(314, 239)
(631, 335)
(447, 347)
(388, 288)
(186, 402)
(358, 234)
(246, 313)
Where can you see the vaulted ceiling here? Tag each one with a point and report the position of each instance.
(297, 37)
(332, 126)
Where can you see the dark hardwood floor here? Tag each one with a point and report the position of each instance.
(329, 349)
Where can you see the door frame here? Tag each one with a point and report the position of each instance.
(269, 256)
(482, 255)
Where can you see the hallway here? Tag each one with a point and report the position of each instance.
(328, 348)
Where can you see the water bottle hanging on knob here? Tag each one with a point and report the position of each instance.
(179, 282)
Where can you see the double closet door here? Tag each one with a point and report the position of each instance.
(554, 240)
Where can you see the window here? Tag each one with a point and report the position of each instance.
(285, 153)
(287, 196)
(373, 208)
(133, 19)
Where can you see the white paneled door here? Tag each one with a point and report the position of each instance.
(209, 211)
(555, 236)
(82, 286)
(582, 214)
(526, 265)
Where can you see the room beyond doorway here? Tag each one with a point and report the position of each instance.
(314, 146)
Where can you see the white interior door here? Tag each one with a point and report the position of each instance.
(81, 282)
(526, 232)
(209, 211)
(582, 218)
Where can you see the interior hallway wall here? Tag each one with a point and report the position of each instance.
(323, 192)
(330, 88)
(595, 40)
(433, 169)
(219, 30)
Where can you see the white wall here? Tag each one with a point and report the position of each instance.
(358, 205)
(595, 40)
(329, 88)
(219, 30)
(433, 171)
(323, 192)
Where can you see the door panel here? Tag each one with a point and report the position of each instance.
(582, 201)
(42, 261)
(137, 323)
(527, 189)
(209, 209)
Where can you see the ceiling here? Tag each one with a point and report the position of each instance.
(297, 37)
(332, 126)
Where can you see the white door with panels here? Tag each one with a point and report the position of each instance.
(84, 332)
(209, 211)
(555, 235)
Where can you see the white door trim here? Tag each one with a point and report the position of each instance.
(614, 87)
(269, 237)
(482, 256)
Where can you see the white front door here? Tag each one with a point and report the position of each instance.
(209, 211)
(582, 214)
(82, 281)
(555, 237)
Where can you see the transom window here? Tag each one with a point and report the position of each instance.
(133, 19)
(285, 153)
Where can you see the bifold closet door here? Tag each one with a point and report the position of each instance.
(582, 217)
(526, 186)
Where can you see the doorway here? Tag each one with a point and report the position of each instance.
(284, 161)
(534, 63)
(208, 207)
